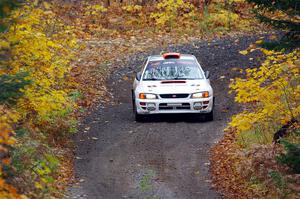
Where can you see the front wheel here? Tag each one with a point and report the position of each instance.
(209, 116)
(137, 117)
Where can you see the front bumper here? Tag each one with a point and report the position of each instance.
(178, 105)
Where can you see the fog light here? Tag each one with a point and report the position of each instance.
(206, 102)
(197, 105)
(151, 106)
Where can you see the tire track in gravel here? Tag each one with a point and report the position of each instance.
(167, 156)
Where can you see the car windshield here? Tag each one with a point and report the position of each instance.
(172, 69)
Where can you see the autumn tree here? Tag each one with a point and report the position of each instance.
(283, 15)
(35, 92)
(7, 5)
(10, 85)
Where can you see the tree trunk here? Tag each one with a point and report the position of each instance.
(283, 131)
(107, 3)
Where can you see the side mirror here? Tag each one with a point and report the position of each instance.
(138, 76)
(207, 74)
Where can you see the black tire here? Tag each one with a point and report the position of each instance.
(209, 116)
(133, 102)
(137, 117)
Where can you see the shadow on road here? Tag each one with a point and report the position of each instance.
(171, 118)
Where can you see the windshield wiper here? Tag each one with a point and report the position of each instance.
(183, 78)
(150, 79)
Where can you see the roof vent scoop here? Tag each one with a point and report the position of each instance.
(171, 55)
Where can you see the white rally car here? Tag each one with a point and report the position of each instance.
(172, 83)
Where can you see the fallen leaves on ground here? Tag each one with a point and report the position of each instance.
(224, 168)
(251, 173)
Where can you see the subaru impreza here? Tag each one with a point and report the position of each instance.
(172, 83)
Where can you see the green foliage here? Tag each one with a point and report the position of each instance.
(281, 14)
(21, 132)
(22, 155)
(289, 6)
(75, 95)
(7, 5)
(277, 179)
(279, 182)
(36, 98)
(43, 168)
(283, 43)
(36, 164)
(292, 156)
(5, 8)
(11, 86)
(146, 185)
(258, 185)
(253, 137)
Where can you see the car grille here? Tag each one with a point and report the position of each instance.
(179, 95)
(183, 106)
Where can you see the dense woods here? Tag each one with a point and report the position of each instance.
(49, 77)
(261, 148)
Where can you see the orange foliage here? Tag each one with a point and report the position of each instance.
(6, 140)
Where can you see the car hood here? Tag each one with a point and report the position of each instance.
(169, 87)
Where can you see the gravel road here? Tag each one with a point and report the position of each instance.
(166, 156)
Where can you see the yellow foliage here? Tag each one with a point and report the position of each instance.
(46, 5)
(132, 8)
(271, 92)
(95, 9)
(4, 45)
(243, 52)
(7, 117)
(224, 18)
(38, 44)
(44, 54)
(236, 1)
(170, 12)
(9, 192)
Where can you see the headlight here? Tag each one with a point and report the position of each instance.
(147, 96)
(204, 94)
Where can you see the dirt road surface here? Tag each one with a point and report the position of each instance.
(165, 157)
